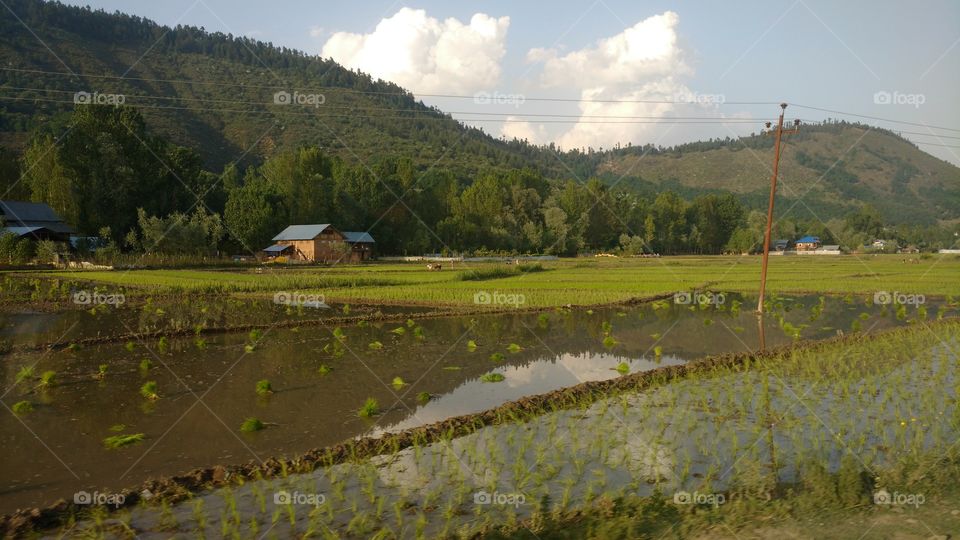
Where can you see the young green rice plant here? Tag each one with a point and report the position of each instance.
(370, 408)
(163, 344)
(623, 368)
(47, 379)
(376, 345)
(101, 373)
(424, 397)
(324, 369)
(543, 320)
(200, 343)
(609, 342)
(418, 333)
(24, 373)
(149, 390)
(658, 351)
(251, 425)
(264, 388)
(145, 365)
(338, 333)
(471, 345)
(119, 441)
(492, 377)
(130, 346)
(22, 407)
(514, 348)
(398, 382)
(399, 331)
(497, 357)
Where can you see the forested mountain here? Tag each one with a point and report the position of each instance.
(200, 116)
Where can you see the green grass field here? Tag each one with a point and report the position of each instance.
(568, 281)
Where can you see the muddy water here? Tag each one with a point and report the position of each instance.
(207, 388)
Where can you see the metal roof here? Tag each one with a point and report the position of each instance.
(30, 214)
(21, 231)
(301, 232)
(359, 237)
(809, 240)
(278, 248)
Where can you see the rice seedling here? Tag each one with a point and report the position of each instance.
(130, 346)
(252, 424)
(543, 320)
(398, 382)
(200, 343)
(145, 365)
(22, 407)
(117, 427)
(24, 373)
(424, 397)
(658, 351)
(264, 388)
(497, 357)
(492, 377)
(471, 345)
(338, 333)
(119, 441)
(399, 331)
(609, 342)
(370, 408)
(101, 373)
(324, 369)
(418, 333)
(163, 344)
(514, 348)
(255, 335)
(623, 368)
(411, 323)
(375, 345)
(149, 390)
(249, 348)
(47, 379)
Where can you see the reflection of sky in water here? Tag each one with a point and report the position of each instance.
(537, 377)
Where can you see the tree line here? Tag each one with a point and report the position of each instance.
(109, 177)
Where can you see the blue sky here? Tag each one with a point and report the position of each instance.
(834, 55)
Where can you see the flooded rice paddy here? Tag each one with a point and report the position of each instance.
(418, 371)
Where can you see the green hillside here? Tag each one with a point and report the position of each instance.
(215, 93)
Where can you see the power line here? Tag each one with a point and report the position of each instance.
(920, 124)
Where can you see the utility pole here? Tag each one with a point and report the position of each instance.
(773, 189)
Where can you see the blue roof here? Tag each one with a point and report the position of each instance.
(277, 248)
(809, 240)
(301, 232)
(21, 231)
(359, 237)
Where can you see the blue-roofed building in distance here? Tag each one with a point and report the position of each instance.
(808, 243)
(320, 242)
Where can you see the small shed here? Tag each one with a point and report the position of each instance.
(361, 245)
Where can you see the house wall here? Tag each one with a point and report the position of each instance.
(328, 246)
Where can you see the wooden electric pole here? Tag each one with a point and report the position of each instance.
(773, 190)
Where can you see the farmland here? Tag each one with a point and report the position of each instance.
(406, 392)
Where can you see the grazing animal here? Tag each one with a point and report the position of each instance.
(433, 267)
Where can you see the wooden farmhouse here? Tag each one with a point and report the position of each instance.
(320, 243)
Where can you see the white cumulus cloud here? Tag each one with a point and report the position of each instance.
(424, 54)
(644, 62)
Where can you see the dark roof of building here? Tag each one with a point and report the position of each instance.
(277, 248)
(301, 232)
(359, 237)
(20, 214)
